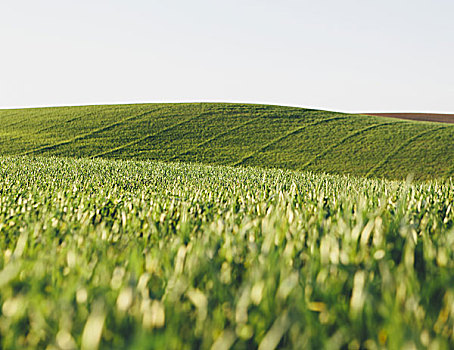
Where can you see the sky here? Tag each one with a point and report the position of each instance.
(349, 55)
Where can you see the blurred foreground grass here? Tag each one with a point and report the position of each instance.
(147, 255)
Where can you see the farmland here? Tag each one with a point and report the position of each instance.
(146, 254)
(237, 135)
(218, 226)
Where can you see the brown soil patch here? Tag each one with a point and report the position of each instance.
(428, 117)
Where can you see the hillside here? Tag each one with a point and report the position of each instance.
(235, 134)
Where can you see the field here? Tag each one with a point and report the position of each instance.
(153, 255)
(235, 134)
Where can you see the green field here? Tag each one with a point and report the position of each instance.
(235, 134)
(224, 226)
(151, 255)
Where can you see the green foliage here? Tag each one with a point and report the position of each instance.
(149, 255)
(235, 134)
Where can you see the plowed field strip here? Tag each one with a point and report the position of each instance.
(295, 131)
(212, 139)
(81, 137)
(146, 137)
(341, 141)
(420, 117)
(400, 148)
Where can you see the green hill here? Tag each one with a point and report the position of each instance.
(235, 134)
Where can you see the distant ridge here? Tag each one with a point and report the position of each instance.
(236, 135)
(426, 117)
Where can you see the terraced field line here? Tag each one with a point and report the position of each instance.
(400, 148)
(47, 127)
(147, 136)
(212, 139)
(73, 119)
(43, 129)
(341, 141)
(11, 138)
(81, 137)
(295, 131)
(14, 123)
(52, 126)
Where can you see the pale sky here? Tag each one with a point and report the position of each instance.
(342, 55)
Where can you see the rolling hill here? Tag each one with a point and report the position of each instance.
(235, 134)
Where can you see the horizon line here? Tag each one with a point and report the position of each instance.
(233, 102)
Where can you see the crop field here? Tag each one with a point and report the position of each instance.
(235, 134)
(115, 254)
